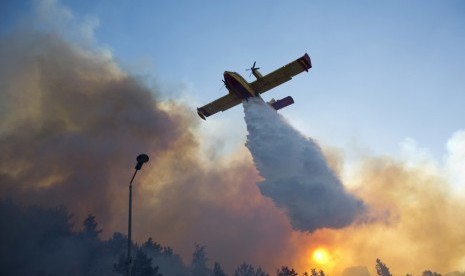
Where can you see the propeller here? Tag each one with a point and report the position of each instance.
(253, 68)
(224, 84)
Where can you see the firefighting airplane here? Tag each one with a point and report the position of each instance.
(240, 89)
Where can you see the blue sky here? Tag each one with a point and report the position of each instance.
(383, 70)
(387, 79)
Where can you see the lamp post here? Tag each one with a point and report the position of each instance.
(141, 159)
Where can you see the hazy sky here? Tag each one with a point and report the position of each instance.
(387, 79)
(383, 71)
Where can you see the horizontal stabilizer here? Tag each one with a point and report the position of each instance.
(282, 103)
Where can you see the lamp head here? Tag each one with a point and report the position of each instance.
(141, 159)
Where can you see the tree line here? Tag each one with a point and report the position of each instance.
(40, 242)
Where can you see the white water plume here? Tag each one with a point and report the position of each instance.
(297, 176)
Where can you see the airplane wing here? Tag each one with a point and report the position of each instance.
(282, 75)
(221, 104)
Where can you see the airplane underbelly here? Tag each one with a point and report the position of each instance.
(239, 89)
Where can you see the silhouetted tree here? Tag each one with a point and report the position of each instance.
(117, 244)
(217, 270)
(89, 238)
(163, 256)
(90, 228)
(121, 266)
(199, 262)
(313, 272)
(430, 273)
(152, 246)
(142, 265)
(37, 241)
(286, 271)
(245, 270)
(156, 248)
(33, 240)
(248, 270)
(382, 269)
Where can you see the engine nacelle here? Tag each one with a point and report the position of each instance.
(277, 105)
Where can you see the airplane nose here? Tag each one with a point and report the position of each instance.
(227, 79)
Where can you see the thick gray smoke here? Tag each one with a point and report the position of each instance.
(70, 123)
(297, 176)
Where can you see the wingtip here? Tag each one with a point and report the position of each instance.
(201, 115)
(307, 61)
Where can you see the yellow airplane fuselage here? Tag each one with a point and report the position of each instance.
(237, 85)
(239, 89)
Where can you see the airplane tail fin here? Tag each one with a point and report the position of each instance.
(277, 105)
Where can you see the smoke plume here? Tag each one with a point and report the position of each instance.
(72, 122)
(297, 176)
(425, 218)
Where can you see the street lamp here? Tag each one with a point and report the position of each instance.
(141, 159)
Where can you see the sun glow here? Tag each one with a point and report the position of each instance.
(321, 256)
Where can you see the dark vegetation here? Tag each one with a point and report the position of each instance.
(39, 242)
(34, 241)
